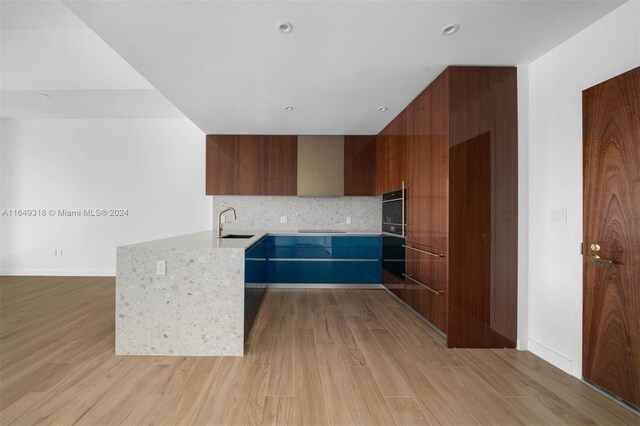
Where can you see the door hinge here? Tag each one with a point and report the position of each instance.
(581, 248)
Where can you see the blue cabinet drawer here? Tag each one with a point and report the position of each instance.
(282, 271)
(325, 241)
(364, 272)
(364, 253)
(373, 241)
(276, 240)
(281, 247)
(322, 272)
(258, 251)
(279, 252)
(307, 252)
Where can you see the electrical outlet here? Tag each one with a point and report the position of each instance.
(283, 219)
(223, 219)
(161, 267)
(348, 220)
(57, 252)
(559, 215)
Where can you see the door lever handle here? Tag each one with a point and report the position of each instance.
(596, 258)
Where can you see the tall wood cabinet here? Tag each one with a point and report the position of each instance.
(460, 154)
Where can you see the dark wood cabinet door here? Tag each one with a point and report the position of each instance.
(432, 305)
(282, 165)
(251, 165)
(611, 311)
(427, 164)
(483, 281)
(425, 288)
(222, 165)
(391, 155)
(360, 165)
(470, 243)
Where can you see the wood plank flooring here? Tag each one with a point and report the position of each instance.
(339, 357)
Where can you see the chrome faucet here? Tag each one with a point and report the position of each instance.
(220, 219)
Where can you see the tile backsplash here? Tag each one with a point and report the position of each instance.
(302, 213)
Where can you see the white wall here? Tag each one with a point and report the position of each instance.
(605, 49)
(153, 168)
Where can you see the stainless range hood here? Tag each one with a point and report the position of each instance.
(320, 166)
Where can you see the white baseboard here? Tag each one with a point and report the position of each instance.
(338, 286)
(59, 272)
(562, 362)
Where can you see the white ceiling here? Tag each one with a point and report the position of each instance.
(224, 64)
(46, 48)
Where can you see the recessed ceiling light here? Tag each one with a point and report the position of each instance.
(288, 108)
(46, 95)
(285, 27)
(450, 29)
(382, 108)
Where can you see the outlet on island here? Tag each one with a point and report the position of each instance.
(283, 219)
(161, 267)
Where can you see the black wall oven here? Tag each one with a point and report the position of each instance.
(393, 212)
(393, 255)
(394, 226)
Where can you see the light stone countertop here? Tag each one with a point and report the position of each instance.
(196, 307)
(209, 239)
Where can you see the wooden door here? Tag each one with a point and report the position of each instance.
(611, 301)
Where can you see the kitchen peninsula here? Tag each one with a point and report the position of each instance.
(197, 295)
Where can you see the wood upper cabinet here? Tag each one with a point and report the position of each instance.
(251, 165)
(360, 165)
(391, 155)
(222, 165)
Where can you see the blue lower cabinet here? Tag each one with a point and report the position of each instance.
(323, 259)
(364, 272)
(307, 252)
(319, 272)
(372, 241)
(364, 253)
(322, 241)
(282, 271)
(281, 247)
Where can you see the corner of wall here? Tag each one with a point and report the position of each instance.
(523, 206)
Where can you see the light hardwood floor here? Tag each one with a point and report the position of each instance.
(340, 357)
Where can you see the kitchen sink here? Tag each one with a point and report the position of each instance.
(237, 236)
